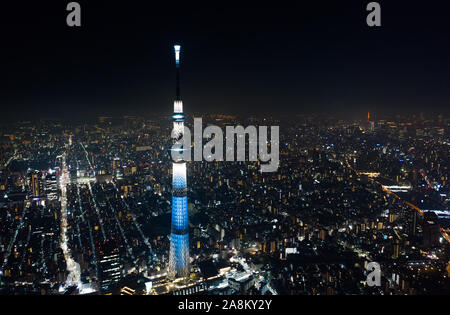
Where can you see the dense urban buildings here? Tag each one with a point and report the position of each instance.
(346, 193)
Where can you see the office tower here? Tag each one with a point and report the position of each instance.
(35, 184)
(396, 250)
(51, 186)
(431, 230)
(179, 237)
(109, 265)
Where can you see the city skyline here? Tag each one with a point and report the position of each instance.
(305, 154)
(86, 209)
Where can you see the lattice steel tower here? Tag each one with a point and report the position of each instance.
(179, 238)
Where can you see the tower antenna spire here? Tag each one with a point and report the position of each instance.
(177, 49)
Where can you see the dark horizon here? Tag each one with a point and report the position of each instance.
(320, 58)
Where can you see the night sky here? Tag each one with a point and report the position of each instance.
(262, 58)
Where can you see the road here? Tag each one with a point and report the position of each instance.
(74, 277)
(136, 224)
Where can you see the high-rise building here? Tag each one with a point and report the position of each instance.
(109, 265)
(396, 249)
(51, 186)
(35, 184)
(431, 230)
(179, 238)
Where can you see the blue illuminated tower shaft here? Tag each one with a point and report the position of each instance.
(179, 238)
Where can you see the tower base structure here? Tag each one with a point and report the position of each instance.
(179, 261)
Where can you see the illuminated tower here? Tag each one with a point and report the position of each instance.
(179, 237)
(370, 124)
